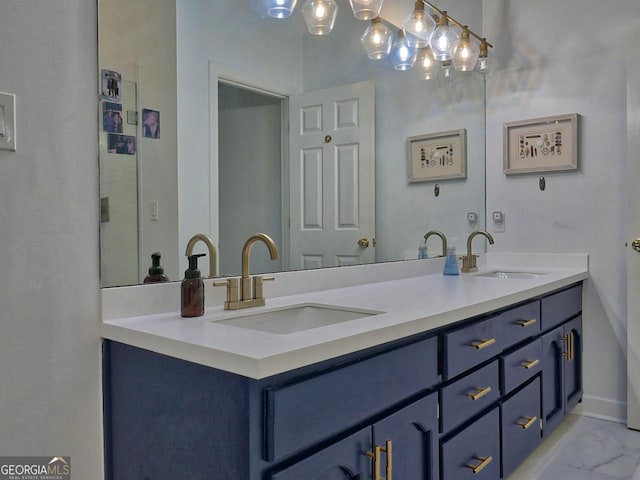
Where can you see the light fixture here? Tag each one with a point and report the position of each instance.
(444, 39)
(377, 39)
(428, 66)
(320, 15)
(403, 54)
(418, 27)
(446, 76)
(366, 9)
(279, 8)
(465, 54)
(486, 64)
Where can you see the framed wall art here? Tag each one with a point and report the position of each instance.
(437, 156)
(541, 144)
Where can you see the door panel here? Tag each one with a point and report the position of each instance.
(633, 215)
(332, 176)
(552, 380)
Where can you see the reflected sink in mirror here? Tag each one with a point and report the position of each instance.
(294, 318)
(508, 274)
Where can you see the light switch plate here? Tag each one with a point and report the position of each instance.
(8, 121)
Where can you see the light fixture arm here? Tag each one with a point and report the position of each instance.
(453, 20)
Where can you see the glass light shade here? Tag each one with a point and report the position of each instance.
(320, 15)
(377, 39)
(366, 9)
(486, 64)
(443, 40)
(418, 27)
(446, 77)
(279, 8)
(403, 55)
(466, 53)
(428, 66)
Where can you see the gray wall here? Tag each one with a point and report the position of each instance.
(49, 306)
(543, 71)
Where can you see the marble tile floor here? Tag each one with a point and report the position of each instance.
(585, 448)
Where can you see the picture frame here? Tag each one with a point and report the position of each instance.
(545, 144)
(437, 156)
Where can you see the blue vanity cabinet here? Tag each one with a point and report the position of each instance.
(403, 445)
(562, 372)
(520, 426)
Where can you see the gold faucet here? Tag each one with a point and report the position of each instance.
(251, 294)
(442, 237)
(213, 256)
(469, 260)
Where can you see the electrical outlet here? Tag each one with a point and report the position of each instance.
(498, 222)
(8, 122)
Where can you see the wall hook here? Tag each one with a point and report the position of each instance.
(542, 183)
(436, 190)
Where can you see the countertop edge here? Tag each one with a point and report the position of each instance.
(259, 368)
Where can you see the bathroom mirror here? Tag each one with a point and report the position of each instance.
(187, 70)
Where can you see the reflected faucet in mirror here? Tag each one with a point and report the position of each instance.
(469, 261)
(213, 255)
(251, 289)
(442, 237)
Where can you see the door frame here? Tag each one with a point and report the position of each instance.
(217, 76)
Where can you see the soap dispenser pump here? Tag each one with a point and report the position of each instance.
(156, 272)
(192, 289)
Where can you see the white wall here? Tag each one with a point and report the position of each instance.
(50, 400)
(543, 70)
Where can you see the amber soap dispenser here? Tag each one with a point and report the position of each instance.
(192, 289)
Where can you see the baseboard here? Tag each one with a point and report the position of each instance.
(602, 408)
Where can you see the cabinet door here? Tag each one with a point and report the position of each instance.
(344, 460)
(562, 372)
(520, 426)
(412, 435)
(573, 364)
(553, 347)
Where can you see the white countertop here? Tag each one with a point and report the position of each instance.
(410, 305)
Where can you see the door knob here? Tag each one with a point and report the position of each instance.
(363, 242)
(636, 244)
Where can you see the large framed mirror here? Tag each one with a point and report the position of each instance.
(227, 86)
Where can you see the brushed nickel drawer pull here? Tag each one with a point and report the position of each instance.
(483, 343)
(527, 323)
(483, 463)
(481, 392)
(529, 421)
(530, 364)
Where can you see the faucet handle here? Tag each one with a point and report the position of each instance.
(232, 290)
(258, 282)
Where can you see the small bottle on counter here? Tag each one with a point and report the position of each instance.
(451, 263)
(422, 251)
(156, 272)
(192, 289)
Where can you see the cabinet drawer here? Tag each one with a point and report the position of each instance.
(520, 323)
(520, 426)
(299, 413)
(561, 306)
(468, 346)
(521, 365)
(475, 452)
(469, 395)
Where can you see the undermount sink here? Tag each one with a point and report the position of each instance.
(294, 318)
(509, 274)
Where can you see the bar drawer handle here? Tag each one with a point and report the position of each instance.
(528, 422)
(375, 455)
(569, 354)
(529, 365)
(483, 463)
(481, 392)
(483, 343)
(527, 323)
